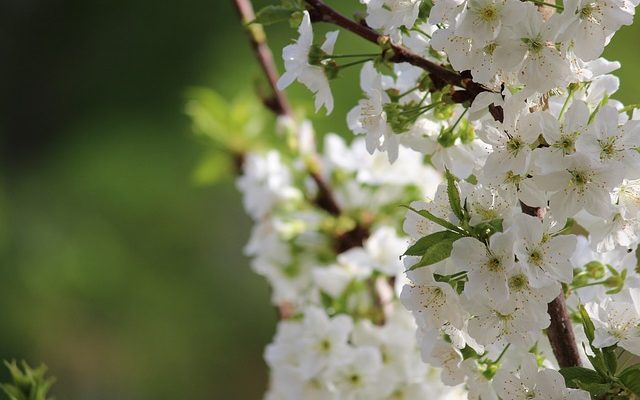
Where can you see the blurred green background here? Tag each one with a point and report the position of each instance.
(116, 270)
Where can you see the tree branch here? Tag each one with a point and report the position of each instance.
(321, 12)
(325, 198)
(278, 103)
(560, 332)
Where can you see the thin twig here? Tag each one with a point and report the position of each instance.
(321, 12)
(560, 331)
(325, 199)
(278, 104)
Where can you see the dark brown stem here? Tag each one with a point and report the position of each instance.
(560, 332)
(325, 198)
(278, 103)
(321, 12)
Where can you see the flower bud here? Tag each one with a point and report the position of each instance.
(595, 269)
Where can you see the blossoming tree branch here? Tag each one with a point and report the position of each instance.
(477, 237)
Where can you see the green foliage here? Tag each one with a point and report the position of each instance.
(433, 248)
(27, 383)
(288, 10)
(437, 246)
(272, 14)
(454, 197)
(573, 375)
(442, 222)
(234, 125)
(603, 382)
(231, 127)
(630, 378)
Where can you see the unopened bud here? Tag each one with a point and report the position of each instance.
(595, 269)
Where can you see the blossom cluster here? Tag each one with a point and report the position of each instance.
(336, 278)
(521, 194)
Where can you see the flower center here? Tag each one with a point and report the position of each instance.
(514, 145)
(518, 282)
(494, 264)
(535, 257)
(490, 48)
(489, 13)
(534, 45)
(580, 179)
(607, 148)
(567, 143)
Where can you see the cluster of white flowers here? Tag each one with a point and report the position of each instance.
(344, 334)
(541, 201)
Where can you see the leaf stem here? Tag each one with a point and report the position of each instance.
(354, 63)
(542, 3)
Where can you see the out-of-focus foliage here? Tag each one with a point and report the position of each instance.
(117, 271)
(231, 129)
(27, 383)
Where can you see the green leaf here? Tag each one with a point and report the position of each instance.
(454, 196)
(27, 383)
(575, 375)
(212, 169)
(485, 229)
(272, 14)
(422, 245)
(595, 389)
(442, 222)
(437, 251)
(384, 67)
(630, 378)
(610, 358)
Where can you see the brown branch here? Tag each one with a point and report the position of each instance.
(321, 12)
(325, 198)
(278, 103)
(560, 332)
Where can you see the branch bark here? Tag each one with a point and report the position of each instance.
(321, 12)
(278, 103)
(560, 331)
(560, 334)
(325, 198)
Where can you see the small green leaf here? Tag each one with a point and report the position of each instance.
(610, 358)
(437, 251)
(422, 245)
(573, 375)
(485, 229)
(630, 378)
(27, 383)
(595, 389)
(212, 169)
(272, 14)
(454, 196)
(384, 67)
(442, 222)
